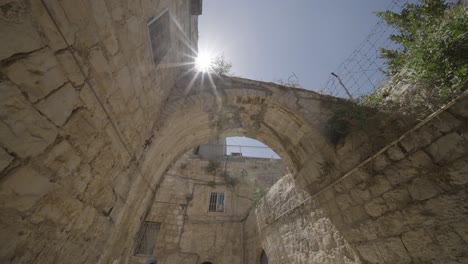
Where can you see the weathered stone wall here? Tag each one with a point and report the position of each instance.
(305, 235)
(79, 96)
(89, 126)
(407, 205)
(188, 231)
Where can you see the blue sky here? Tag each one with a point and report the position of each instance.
(271, 39)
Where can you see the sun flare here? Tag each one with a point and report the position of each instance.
(204, 62)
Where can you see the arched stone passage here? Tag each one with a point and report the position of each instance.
(290, 121)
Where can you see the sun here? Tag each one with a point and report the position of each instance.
(204, 62)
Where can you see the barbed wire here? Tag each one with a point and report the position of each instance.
(364, 70)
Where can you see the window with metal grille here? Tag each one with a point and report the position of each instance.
(160, 36)
(147, 238)
(216, 202)
(197, 7)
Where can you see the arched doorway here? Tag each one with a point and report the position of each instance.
(263, 258)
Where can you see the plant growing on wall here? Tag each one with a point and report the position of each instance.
(229, 180)
(257, 193)
(213, 167)
(221, 66)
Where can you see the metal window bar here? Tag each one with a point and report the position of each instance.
(220, 203)
(213, 199)
(216, 202)
(147, 238)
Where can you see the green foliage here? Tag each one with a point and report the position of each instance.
(229, 180)
(433, 46)
(212, 184)
(345, 117)
(257, 194)
(213, 167)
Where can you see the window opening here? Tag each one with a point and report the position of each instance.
(147, 238)
(263, 258)
(216, 202)
(160, 36)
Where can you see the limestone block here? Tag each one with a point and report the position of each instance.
(395, 153)
(62, 159)
(59, 105)
(23, 187)
(376, 207)
(80, 179)
(458, 172)
(91, 102)
(49, 31)
(16, 18)
(104, 26)
(37, 75)
(422, 189)
(5, 159)
(447, 207)
(101, 74)
(392, 251)
(445, 122)
(84, 220)
(75, 23)
(380, 162)
(397, 198)
(15, 232)
(67, 28)
(344, 201)
(354, 214)
(420, 245)
(422, 137)
(460, 108)
(359, 195)
(450, 242)
(84, 134)
(379, 185)
(370, 253)
(70, 67)
(448, 148)
(368, 230)
(59, 208)
(22, 129)
(461, 228)
(408, 168)
(391, 224)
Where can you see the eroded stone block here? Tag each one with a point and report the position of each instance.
(22, 129)
(5, 159)
(448, 148)
(59, 105)
(18, 34)
(36, 75)
(23, 187)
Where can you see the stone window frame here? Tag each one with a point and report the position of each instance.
(171, 44)
(146, 239)
(219, 204)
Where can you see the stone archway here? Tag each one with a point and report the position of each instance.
(290, 121)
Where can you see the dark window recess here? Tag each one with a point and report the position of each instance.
(147, 238)
(197, 7)
(216, 202)
(263, 258)
(160, 37)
